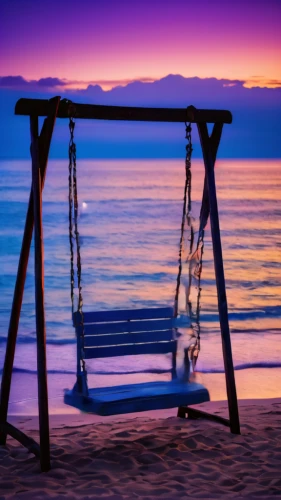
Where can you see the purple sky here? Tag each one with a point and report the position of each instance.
(115, 41)
(65, 48)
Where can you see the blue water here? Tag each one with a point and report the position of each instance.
(129, 220)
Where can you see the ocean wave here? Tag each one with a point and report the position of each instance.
(245, 314)
(32, 340)
(92, 372)
(34, 372)
(155, 371)
(245, 366)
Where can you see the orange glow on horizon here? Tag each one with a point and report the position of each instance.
(108, 85)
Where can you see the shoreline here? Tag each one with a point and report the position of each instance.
(252, 383)
(76, 418)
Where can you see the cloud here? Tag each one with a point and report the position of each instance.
(13, 81)
(122, 82)
(79, 85)
(51, 82)
(20, 82)
(261, 81)
(232, 83)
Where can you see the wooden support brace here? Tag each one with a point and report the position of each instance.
(22, 438)
(44, 146)
(193, 413)
(209, 147)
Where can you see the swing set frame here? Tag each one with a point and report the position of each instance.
(40, 145)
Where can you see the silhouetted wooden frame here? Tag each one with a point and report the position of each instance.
(40, 145)
(41, 107)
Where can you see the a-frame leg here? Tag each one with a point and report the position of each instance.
(39, 300)
(209, 205)
(42, 159)
(208, 149)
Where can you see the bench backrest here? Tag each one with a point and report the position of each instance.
(125, 332)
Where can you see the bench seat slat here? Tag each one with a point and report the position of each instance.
(128, 338)
(130, 349)
(126, 326)
(124, 315)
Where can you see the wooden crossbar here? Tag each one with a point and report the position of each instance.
(40, 107)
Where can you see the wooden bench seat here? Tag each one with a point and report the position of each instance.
(106, 334)
(138, 397)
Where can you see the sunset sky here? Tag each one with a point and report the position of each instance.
(219, 47)
(112, 42)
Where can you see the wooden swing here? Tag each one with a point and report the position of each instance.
(139, 321)
(105, 334)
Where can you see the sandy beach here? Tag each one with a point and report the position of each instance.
(150, 455)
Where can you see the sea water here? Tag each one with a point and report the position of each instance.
(129, 224)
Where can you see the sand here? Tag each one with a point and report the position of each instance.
(151, 455)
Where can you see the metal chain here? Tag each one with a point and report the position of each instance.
(195, 319)
(71, 151)
(73, 214)
(194, 273)
(186, 202)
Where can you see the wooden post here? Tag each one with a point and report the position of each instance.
(208, 147)
(39, 300)
(44, 146)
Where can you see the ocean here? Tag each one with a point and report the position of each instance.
(129, 223)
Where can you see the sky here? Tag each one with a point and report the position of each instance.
(220, 54)
(112, 42)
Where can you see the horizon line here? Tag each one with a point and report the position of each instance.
(128, 158)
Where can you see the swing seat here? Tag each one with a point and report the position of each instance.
(130, 332)
(138, 397)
